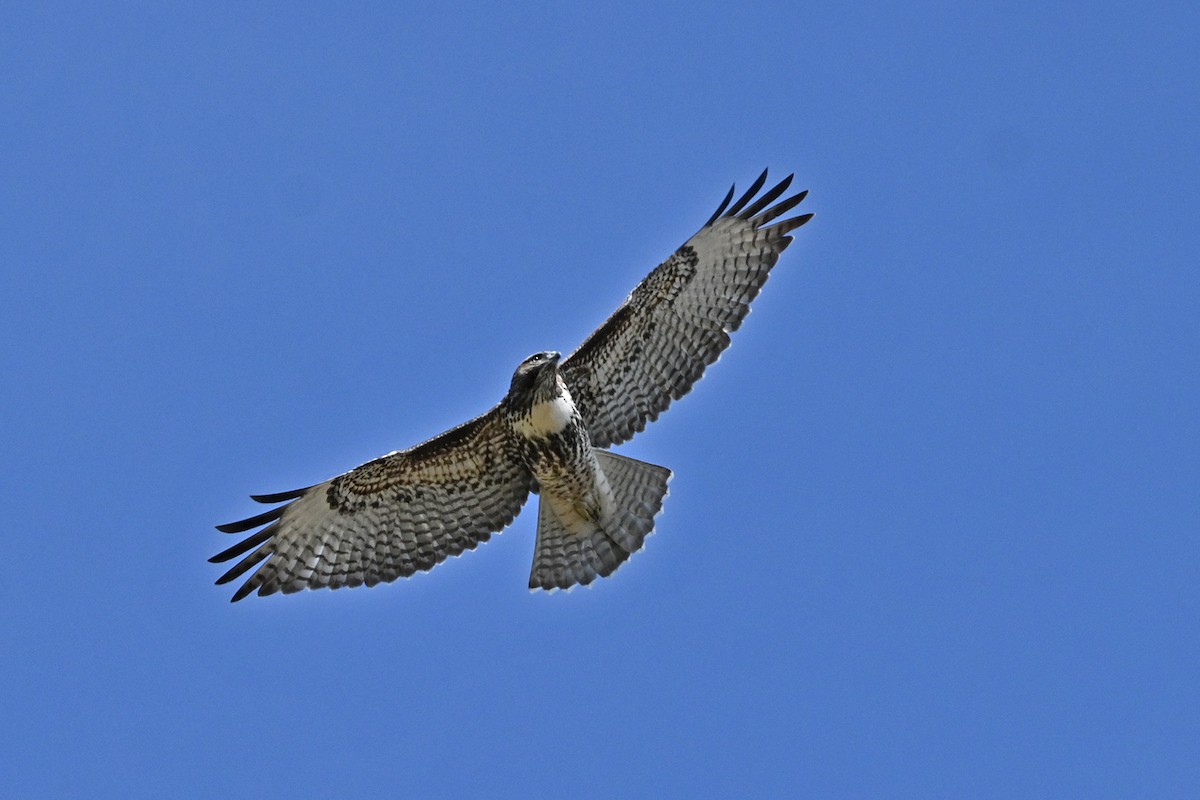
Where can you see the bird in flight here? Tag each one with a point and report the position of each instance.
(407, 511)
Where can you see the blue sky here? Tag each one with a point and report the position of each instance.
(933, 527)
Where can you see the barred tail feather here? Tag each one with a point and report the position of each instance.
(578, 550)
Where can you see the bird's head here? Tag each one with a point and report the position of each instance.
(537, 374)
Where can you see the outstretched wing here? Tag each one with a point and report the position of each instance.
(678, 320)
(399, 514)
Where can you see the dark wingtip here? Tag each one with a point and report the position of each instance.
(721, 208)
(252, 522)
(243, 592)
(779, 209)
(753, 190)
(788, 225)
(245, 545)
(279, 497)
(767, 198)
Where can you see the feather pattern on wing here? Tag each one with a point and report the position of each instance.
(399, 514)
(678, 320)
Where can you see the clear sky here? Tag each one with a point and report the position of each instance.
(933, 530)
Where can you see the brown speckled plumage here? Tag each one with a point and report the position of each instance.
(410, 510)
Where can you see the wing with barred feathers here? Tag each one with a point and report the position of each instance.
(399, 514)
(678, 320)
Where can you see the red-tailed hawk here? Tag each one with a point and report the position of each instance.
(411, 509)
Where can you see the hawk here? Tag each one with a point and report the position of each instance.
(407, 511)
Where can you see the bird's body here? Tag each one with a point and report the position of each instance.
(409, 510)
(585, 527)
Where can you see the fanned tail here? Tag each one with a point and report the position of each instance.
(580, 550)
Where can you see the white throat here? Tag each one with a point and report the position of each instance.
(548, 417)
